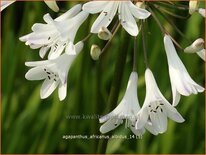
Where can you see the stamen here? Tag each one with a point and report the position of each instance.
(105, 13)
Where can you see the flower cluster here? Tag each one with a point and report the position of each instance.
(55, 40)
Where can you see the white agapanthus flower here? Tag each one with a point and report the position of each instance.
(197, 47)
(156, 108)
(6, 3)
(53, 72)
(127, 109)
(182, 83)
(57, 34)
(126, 12)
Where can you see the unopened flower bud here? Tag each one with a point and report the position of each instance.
(52, 5)
(193, 6)
(196, 46)
(140, 5)
(104, 34)
(95, 52)
(202, 12)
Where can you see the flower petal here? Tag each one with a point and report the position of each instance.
(47, 88)
(151, 129)
(201, 54)
(94, 7)
(110, 125)
(43, 50)
(142, 118)
(105, 18)
(162, 118)
(70, 13)
(52, 5)
(36, 73)
(37, 63)
(138, 12)
(175, 96)
(56, 50)
(172, 113)
(137, 132)
(62, 91)
(5, 4)
(127, 20)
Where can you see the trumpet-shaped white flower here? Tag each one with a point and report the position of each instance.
(127, 109)
(156, 108)
(126, 11)
(197, 47)
(181, 81)
(52, 5)
(57, 34)
(53, 72)
(5, 4)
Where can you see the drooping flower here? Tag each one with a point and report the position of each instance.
(53, 72)
(52, 5)
(156, 108)
(5, 4)
(181, 81)
(57, 34)
(197, 47)
(126, 12)
(127, 109)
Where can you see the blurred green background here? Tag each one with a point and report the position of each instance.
(32, 125)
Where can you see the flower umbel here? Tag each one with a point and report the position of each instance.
(126, 12)
(182, 83)
(57, 34)
(53, 72)
(126, 109)
(156, 108)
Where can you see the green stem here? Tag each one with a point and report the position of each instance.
(171, 13)
(116, 83)
(172, 24)
(87, 37)
(163, 29)
(114, 30)
(171, 6)
(157, 21)
(135, 55)
(144, 44)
